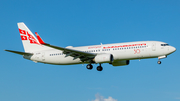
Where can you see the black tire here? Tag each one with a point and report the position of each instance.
(89, 66)
(159, 62)
(99, 68)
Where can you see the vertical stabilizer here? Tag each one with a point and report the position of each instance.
(30, 42)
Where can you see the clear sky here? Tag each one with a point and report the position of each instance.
(90, 22)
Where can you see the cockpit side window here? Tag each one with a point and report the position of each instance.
(164, 44)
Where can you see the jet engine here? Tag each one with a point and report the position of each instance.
(103, 58)
(120, 63)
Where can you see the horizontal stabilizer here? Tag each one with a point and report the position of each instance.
(20, 53)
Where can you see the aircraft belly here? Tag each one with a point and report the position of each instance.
(62, 60)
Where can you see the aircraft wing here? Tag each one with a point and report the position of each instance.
(84, 56)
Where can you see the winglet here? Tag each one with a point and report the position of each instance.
(39, 39)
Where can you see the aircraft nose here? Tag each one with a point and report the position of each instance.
(173, 49)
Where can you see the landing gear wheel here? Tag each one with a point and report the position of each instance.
(99, 68)
(89, 66)
(159, 62)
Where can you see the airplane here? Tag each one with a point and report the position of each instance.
(116, 54)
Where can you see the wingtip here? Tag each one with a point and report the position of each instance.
(39, 39)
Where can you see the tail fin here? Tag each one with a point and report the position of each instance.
(30, 42)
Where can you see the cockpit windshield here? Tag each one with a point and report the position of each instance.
(164, 44)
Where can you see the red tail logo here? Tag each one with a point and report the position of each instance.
(22, 31)
(26, 36)
(23, 37)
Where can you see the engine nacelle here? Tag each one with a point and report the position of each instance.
(120, 63)
(103, 58)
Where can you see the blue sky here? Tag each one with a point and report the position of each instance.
(90, 22)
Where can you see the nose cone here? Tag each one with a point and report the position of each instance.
(172, 49)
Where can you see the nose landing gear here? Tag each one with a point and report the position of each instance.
(161, 57)
(159, 62)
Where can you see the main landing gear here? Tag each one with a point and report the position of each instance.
(99, 68)
(89, 66)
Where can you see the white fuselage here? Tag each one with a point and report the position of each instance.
(120, 51)
(117, 54)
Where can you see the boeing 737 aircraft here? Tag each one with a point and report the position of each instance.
(117, 54)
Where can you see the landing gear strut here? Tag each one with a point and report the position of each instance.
(89, 66)
(99, 68)
(161, 57)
